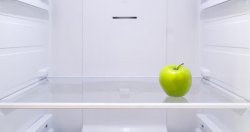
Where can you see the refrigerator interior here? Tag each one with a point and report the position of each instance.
(72, 66)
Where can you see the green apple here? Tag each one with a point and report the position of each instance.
(176, 80)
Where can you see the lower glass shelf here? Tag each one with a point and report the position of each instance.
(118, 93)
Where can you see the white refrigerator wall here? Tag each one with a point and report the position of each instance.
(182, 34)
(23, 45)
(88, 42)
(67, 41)
(23, 52)
(124, 47)
(225, 39)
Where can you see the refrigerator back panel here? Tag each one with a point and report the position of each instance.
(124, 37)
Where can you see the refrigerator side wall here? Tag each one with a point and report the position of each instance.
(23, 45)
(225, 30)
(226, 44)
(23, 52)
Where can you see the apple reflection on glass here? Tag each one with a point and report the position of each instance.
(170, 99)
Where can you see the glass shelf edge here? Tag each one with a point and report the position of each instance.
(125, 106)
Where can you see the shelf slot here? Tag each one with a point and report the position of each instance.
(125, 17)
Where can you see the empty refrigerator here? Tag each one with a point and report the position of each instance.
(93, 65)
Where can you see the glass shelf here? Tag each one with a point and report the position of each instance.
(119, 92)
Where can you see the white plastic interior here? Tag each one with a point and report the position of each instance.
(65, 38)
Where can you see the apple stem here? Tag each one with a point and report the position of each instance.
(177, 68)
